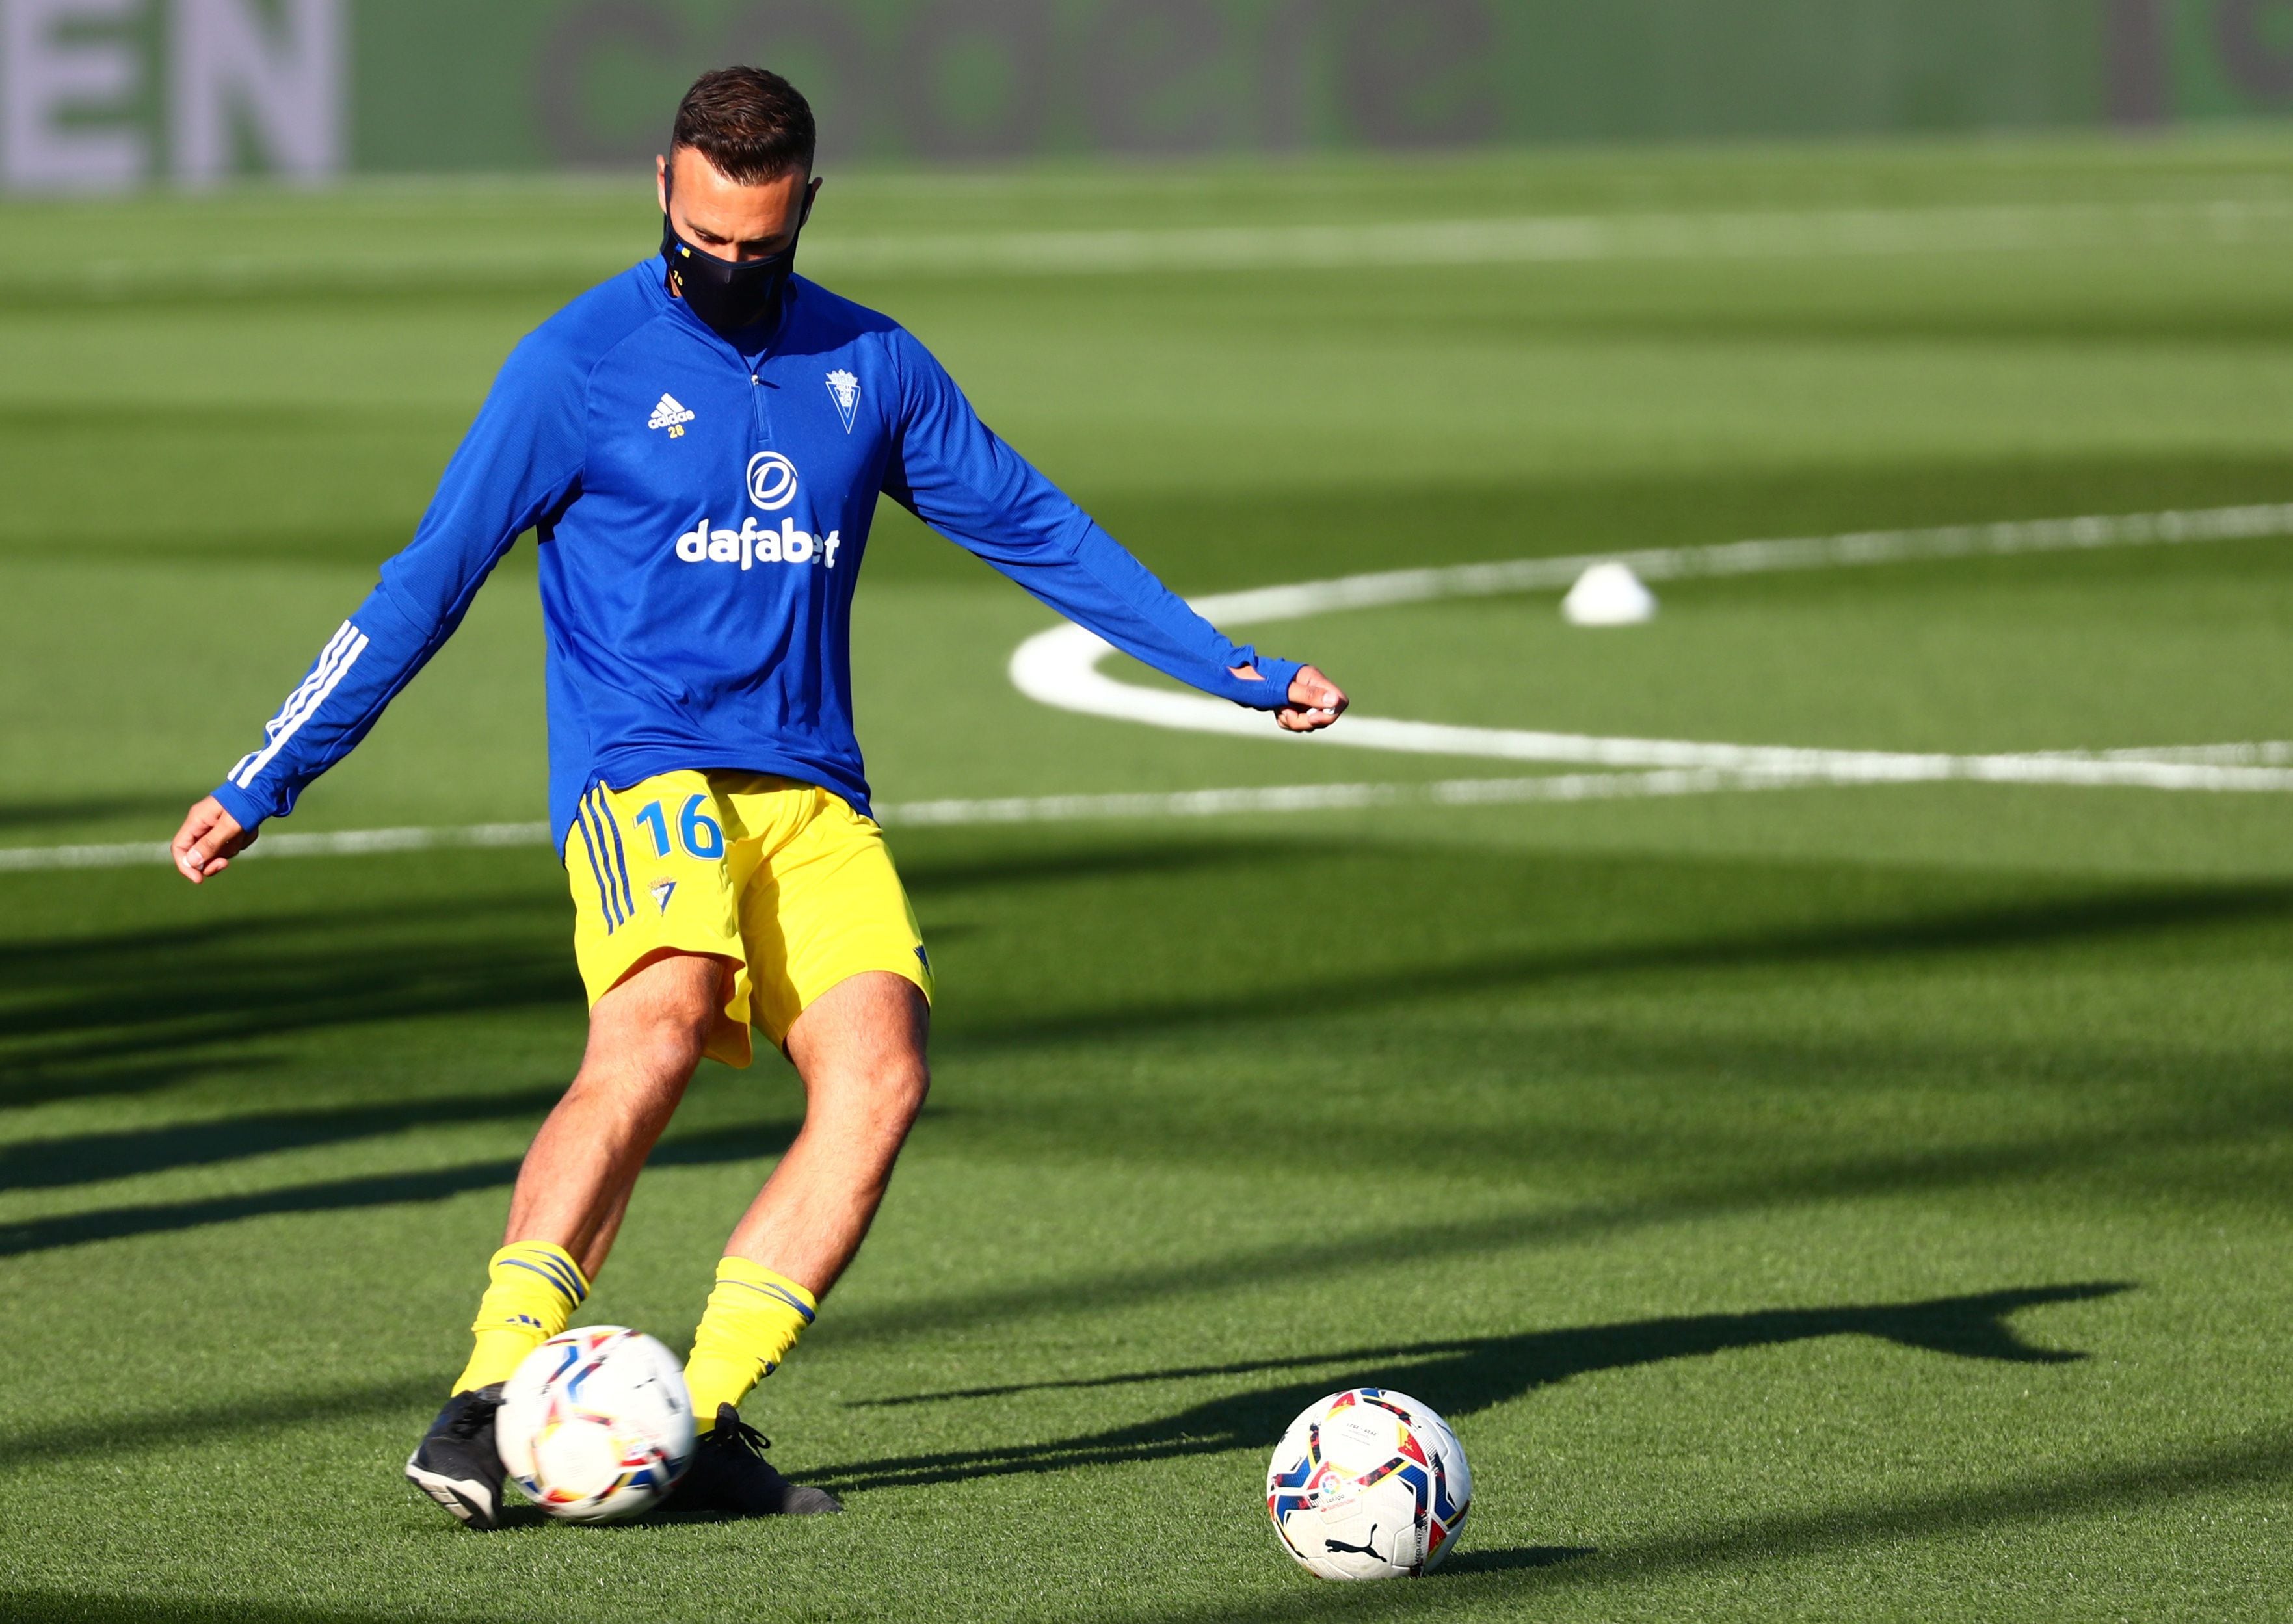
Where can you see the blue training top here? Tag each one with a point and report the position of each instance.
(701, 516)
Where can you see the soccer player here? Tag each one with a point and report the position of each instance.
(697, 445)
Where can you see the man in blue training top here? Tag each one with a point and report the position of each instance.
(698, 445)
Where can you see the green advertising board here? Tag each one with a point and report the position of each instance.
(109, 92)
(591, 83)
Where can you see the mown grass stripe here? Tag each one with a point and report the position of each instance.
(1519, 239)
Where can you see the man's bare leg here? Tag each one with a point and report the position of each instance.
(646, 1038)
(860, 1051)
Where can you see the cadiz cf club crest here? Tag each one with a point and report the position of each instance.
(845, 388)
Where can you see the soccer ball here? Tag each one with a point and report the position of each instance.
(1369, 1483)
(595, 1424)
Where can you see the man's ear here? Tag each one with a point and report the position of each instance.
(810, 193)
(660, 180)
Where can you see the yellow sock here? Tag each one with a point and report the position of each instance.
(534, 1287)
(753, 1318)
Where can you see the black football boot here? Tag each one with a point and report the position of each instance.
(457, 1464)
(729, 1475)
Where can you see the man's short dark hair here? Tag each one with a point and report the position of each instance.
(753, 126)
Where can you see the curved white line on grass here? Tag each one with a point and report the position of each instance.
(1059, 667)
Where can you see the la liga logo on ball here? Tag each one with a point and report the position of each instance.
(595, 1424)
(1369, 1483)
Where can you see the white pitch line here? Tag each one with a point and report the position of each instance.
(347, 843)
(973, 813)
(1664, 783)
(1566, 239)
(1059, 667)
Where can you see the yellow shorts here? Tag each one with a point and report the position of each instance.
(783, 881)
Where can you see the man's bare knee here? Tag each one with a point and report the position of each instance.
(876, 1098)
(897, 1092)
(657, 1022)
(670, 1046)
(911, 1085)
(861, 1051)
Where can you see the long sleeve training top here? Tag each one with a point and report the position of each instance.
(701, 515)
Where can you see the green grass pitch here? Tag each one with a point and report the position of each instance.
(1832, 1203)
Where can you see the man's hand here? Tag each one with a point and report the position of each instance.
(1314, 700)
(208, 840)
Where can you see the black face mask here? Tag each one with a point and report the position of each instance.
(729, 297)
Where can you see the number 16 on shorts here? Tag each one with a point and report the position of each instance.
(699, 834)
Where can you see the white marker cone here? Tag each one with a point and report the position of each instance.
(1609, 594)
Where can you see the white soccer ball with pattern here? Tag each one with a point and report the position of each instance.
(1369, 1483)
(595, 1424)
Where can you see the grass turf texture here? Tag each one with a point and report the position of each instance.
(1808, 1204)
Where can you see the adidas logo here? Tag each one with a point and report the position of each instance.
(670, 415)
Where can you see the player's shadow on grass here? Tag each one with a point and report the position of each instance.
(1462, 1377)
